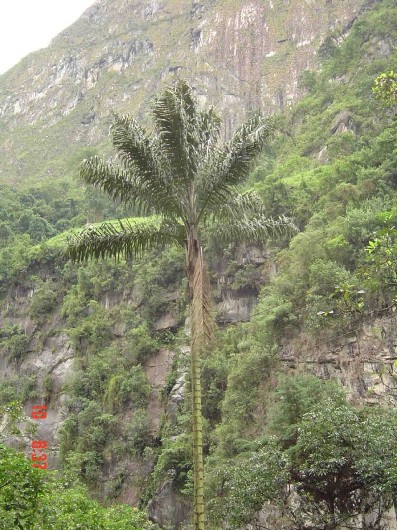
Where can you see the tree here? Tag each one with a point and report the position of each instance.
(33, 499)
(341, 472)
(181, 173)
(20, 488)
(385, 88)
(293, 398)
(344, 465)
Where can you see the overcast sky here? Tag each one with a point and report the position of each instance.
(28, 25)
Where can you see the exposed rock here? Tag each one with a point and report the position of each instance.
(381, 48)
(54, 358)
(176, 397)
(322, 156)
(344, 122)
(240, 56)
(268, 517)
(363, 362)
(235, 308)
(135, 474)
(166, 321)
(253, 254)
(157, 367)
(168, 508)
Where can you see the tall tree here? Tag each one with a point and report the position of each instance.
(181, 172)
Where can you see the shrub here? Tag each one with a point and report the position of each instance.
(43, 302)
(16, 346)
(137, 431)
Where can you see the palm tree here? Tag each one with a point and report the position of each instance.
(183, 174)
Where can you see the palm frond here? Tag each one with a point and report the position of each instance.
(240, 205)
(230, 165)
(255, 229)
(141, 181)
(134, 147)
(116, 183)
(186, 133)
(122, 239)
(208, 128)
(174, 112)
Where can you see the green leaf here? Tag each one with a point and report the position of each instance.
(123, 238)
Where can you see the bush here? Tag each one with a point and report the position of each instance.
(341, 462)
(94, 331)
(293, 398)
(137, 431)
(34, 500)
(16, 346)
(21, 488)
(130, 388)
(140, 343)
(43, 302)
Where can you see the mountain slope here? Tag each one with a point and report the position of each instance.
(104, 344)
(241, 56)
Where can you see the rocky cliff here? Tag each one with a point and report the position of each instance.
(104, 345)
(241, 56)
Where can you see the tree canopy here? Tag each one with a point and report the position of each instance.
(31, 499)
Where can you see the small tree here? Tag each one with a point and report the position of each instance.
(20, 489)
(32, 499)
(341, 472)
(385, 88)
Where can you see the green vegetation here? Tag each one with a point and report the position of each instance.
(14, 342)
(31, 499)
(265, 434)
(385, 88)
(337, 180)
(330, 464)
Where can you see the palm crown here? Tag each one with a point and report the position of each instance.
(182, 173)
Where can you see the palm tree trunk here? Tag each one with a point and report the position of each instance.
(194, 272)
(198, 461)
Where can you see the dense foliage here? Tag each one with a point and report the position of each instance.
(336, 175)
(31, 499)
(335, 466)
(385, 88)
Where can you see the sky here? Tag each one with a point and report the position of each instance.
(28, 25)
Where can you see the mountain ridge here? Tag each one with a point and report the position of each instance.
(240, 56)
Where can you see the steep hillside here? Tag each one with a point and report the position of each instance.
(241, 56)
(105, 345)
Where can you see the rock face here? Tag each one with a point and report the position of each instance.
(157, 367)
(362, 361)
(169, 506)
(242, 56)
(270, 515)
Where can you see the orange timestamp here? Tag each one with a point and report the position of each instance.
(39, 457)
